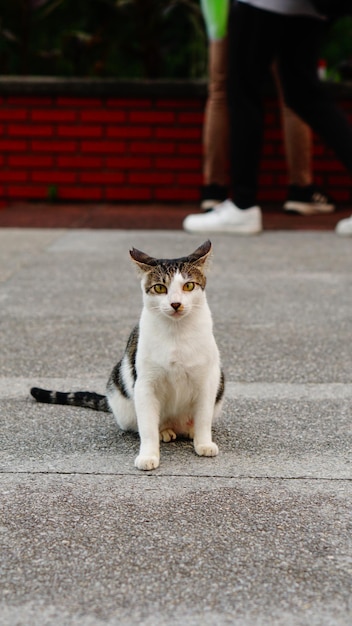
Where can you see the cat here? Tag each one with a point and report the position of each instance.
(169, 381)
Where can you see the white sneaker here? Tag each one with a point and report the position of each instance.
(344, 227)
(226, 218)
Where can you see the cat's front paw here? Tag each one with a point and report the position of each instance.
(167, 435)
(207, 449)
(146, 462)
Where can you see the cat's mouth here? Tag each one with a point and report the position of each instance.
(177, 313)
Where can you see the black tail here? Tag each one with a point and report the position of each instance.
(86, 399)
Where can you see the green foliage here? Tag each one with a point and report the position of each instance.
(122, 38)
(337, 49)
(117, 38)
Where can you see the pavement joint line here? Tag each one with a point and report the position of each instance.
(162, 475)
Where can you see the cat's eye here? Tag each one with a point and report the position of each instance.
(189, 286)
(159, 288)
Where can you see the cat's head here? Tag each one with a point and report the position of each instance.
(173, 287)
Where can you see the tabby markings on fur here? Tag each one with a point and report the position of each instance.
(169, 381)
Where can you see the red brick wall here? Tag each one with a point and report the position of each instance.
(104, 149)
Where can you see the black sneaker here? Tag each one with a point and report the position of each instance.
(211, 195)
(308, 200)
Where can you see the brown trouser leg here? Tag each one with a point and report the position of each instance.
(216, 118)
(297, 140)
(297, 134)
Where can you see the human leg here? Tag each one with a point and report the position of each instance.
(250, 55)
(216, 127)
(298, 59)
(304, 196)
(303, 92)
(252, 37)
(297, 141)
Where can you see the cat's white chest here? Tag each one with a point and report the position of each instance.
(177, 359)
(171, 363)
(176, 350)
(181, 365)
(176, 383)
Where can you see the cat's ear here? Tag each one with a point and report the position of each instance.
(142, 260)
(201, 255)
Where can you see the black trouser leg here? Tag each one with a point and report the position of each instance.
(251, 51)
(304, 93)
(256, 37)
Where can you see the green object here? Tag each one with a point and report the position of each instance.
(215, 13)
(52, 193)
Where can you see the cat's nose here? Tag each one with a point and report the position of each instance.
(176, 305)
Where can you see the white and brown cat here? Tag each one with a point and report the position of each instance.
(169, 381)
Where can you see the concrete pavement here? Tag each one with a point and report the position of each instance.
(261, 534)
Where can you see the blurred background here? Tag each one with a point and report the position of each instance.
(143, 39)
